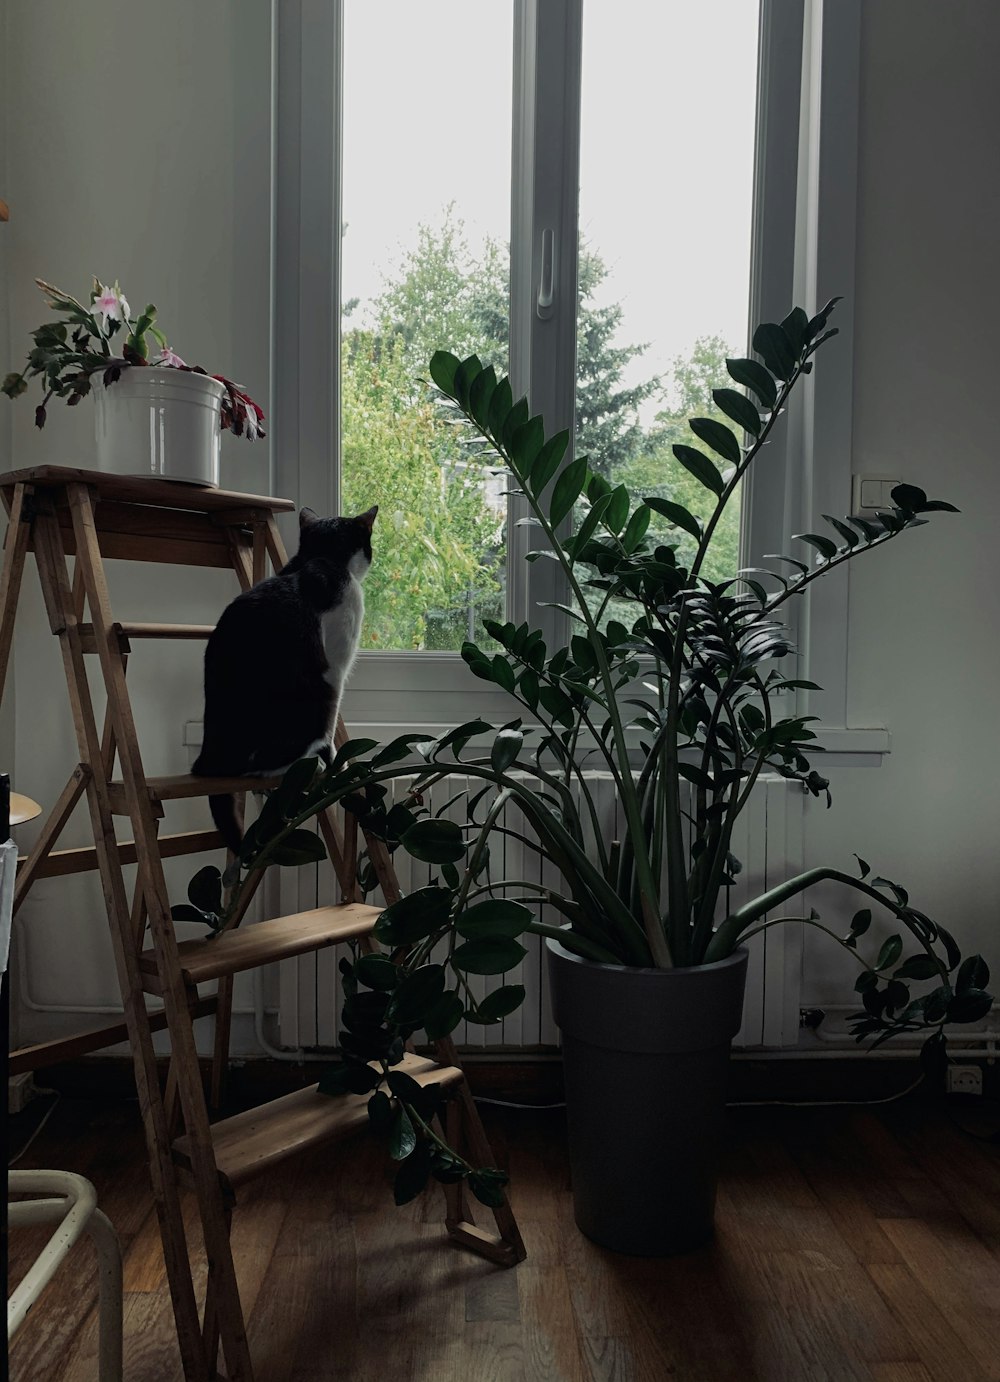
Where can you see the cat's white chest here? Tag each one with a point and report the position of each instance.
(342, 633)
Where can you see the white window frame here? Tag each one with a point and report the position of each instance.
(803, 251)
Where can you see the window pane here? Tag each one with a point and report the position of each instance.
(666, 206)
(426, 188)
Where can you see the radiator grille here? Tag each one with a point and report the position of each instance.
(768, 841)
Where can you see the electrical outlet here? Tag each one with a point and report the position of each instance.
(965, 1079)
(20, 1092)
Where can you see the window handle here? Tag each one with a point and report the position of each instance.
(546, 286)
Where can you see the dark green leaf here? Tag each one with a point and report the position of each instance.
(416, 995)
(414, 917)
(752, 375)
(616, 514)
(380, 1111)
(502, 673)
(434, 842)
(444, 1017)
(918, 967)
(443, 367)
(698, 464)
(300, 847)
(528, 686)
(547, 462)
(775, 349)
(824, 545)
(495, 917)
(971, 1006)
(738, 407)
(465, 376)
(402, 1139)
(377, 972)
(413, 1175)
(974, 973)
(488, 1187)
(506, 747)
(860, 922)
(183, 911)
(796, 326)
(865, 868)
(501, 1002)
(500, 406)
(909, 497)
(353, 748)
(526, 444)
(205, 889)
(493, 955)
(636, 529)
(890, 952)
(718, 436)
(567, 490)
(294, 784)
(481, 394)
(676, 513)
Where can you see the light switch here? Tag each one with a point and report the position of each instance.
(871, 492)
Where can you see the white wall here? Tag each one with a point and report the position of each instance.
(136, 145)
(925, 613)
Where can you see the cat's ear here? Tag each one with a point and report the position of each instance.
(368, 519)
(307, 517)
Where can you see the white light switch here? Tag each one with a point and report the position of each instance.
(871, 492)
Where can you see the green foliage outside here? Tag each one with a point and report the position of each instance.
(440, 560)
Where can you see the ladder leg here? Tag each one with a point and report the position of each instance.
(175, 999)
(15, 550)
(51, 831)
(58, 600)
(506, 1246)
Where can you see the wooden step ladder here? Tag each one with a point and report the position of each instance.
(56, 513)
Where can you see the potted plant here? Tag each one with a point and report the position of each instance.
(162, 417)
(671, 684)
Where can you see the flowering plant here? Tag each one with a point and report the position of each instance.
(71, 350)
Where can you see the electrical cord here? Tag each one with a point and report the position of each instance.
(41, 1124)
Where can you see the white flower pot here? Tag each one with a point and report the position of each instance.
(162, 423)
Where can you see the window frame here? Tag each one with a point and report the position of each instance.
(805, 182)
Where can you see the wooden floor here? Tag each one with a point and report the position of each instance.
(852, 1246)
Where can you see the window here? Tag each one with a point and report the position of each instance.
(673, 163)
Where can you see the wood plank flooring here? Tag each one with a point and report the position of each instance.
(852, 1246)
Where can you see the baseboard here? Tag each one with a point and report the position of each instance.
(538, 1079)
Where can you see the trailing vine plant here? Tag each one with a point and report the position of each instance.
(682, 703)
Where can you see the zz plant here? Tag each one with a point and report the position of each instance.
(670, 683)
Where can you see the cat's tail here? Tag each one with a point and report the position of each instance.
(223, 811)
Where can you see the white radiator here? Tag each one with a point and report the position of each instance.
(768, 841)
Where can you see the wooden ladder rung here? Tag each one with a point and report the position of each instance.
(189, 785)
(128, 631)
(252, 1142)
(60, 862)
(264, 942)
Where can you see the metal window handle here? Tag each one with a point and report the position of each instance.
(547, 282)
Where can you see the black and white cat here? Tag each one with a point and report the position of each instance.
(279, 657)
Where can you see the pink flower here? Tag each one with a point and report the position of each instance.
(170, 359)
(110, 303)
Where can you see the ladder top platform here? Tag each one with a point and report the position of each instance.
(130, 489)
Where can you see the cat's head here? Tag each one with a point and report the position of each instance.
(346, 541)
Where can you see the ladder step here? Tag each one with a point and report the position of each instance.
(60, 862)
(189, 785)
(129, 631)
(252, 1142)
(247, 947)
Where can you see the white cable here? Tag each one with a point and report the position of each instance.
(825, 1103)
(41, 1124)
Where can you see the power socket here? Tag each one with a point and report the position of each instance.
(21, 1089)
(965, 1079)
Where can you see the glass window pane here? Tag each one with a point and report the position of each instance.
(666, 207)
(426, 195)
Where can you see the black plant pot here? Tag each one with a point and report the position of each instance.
(646, 1055)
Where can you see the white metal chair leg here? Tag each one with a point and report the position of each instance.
(76, 1211)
